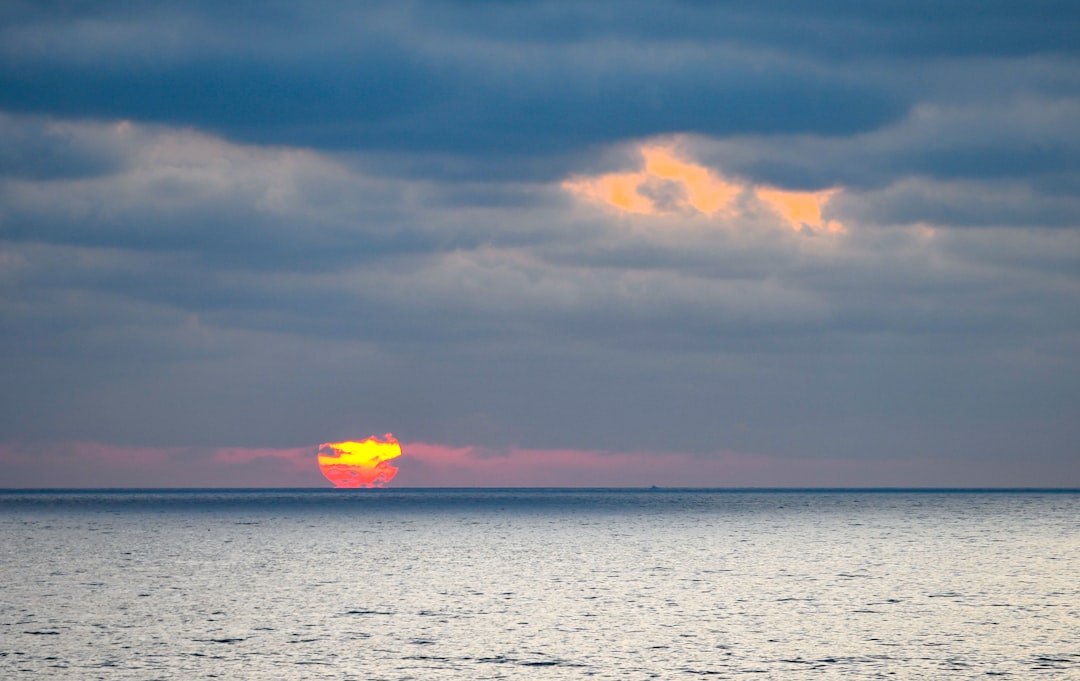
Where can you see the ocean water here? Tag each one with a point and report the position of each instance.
(539, 584)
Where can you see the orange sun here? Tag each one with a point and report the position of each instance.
(359, 464)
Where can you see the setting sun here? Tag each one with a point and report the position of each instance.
(359, 464)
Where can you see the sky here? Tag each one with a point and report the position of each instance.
(542, 243)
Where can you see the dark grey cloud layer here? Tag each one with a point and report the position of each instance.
(494, 79)
(231, 224)
(389, 98)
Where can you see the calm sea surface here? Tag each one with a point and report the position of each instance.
(544, 584)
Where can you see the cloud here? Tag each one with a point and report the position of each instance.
(993, 203)
(196, 286)
(40, 149)
(184, 192)
(1006, 132)
(434, 465)
(668, 184)
(814, 233)
(91, 465)
(463, 102)
(95, 465)
(459, 83)
(665, 184)
(381, 79)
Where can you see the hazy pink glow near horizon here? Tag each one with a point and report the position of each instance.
(92, 465)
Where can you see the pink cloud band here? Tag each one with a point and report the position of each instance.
(93, 465)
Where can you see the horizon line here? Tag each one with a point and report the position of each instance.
(653, 488)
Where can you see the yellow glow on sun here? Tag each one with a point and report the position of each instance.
(359, 464)
(801, 208)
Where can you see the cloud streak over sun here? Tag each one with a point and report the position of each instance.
(359, 464)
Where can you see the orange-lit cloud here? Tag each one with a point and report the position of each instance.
(616, 189)
(801, 209)
(359, 464)
(704, 190)
(668, 183)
